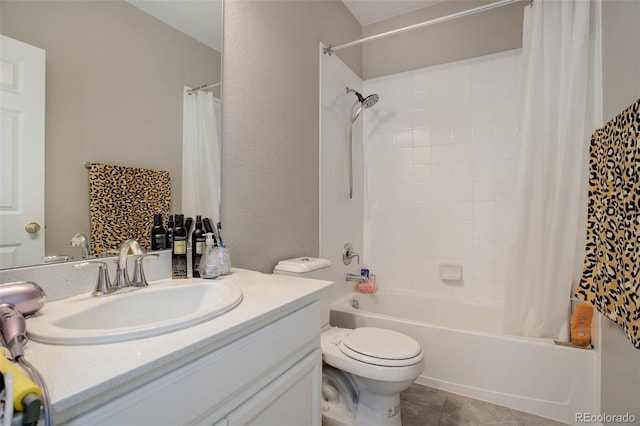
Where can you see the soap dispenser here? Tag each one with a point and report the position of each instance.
(209, 266)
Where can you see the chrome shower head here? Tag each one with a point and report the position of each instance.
(370, 101)
(367, 102)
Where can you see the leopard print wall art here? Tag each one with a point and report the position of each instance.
(122, 202)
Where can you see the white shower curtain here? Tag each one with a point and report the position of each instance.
(201, 155)
(560, 107)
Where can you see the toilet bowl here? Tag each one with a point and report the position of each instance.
(364, 369)
(382, 363)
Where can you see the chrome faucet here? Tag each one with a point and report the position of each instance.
(104, 286)
(122, 276)
(81, 240)
(359, 278)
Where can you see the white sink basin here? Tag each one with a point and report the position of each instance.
(163, 307)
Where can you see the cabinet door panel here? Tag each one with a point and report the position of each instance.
(293, 399)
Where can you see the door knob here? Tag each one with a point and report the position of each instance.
(32, 227)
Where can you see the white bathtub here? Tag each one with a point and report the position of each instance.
(465, 353)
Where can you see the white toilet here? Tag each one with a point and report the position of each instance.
(365, 369)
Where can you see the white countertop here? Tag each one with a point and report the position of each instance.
(79, 374)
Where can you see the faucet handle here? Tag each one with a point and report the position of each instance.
(103, 284)
(139, 279)
(348, 254)
(122, 276)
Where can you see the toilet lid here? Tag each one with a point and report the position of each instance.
(381, 347)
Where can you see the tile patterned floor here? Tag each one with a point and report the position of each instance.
(424, 406)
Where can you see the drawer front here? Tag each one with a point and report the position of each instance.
(212, 386)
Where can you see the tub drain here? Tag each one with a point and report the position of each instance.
(355, 304)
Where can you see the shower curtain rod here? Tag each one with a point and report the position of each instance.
(204, 87)
(331, 49)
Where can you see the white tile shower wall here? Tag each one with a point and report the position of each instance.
(439, 150)
(340, 218)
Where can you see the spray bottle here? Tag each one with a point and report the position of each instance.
(179, 250)
(209, 265)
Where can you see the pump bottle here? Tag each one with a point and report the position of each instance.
(209, 267)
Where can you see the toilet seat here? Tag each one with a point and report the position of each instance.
(379, 346)
(333, 355)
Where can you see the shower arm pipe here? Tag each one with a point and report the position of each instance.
(329, 50)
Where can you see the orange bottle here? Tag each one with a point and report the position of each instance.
(581, 325)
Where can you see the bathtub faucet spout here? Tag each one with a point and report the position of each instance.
(358, 278)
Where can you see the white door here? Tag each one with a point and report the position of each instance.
(22, 109)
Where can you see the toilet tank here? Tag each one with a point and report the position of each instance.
(314, 268)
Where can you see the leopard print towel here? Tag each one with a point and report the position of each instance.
(610, 278)
(122, 202)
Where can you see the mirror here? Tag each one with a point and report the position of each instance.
(115, 82)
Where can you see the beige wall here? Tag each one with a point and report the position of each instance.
(620, 368)
(484, 33)
(115, 77)
(270, 199)
(270, 125)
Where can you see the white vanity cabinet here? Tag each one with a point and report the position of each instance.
(290, 400)
(269, 376)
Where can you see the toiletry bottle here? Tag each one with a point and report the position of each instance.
(197, 246)
(209, 267)
(170, 225)
(179, 250)
(206, 222)
(158, 233)
(187, 227)
(581, 325)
